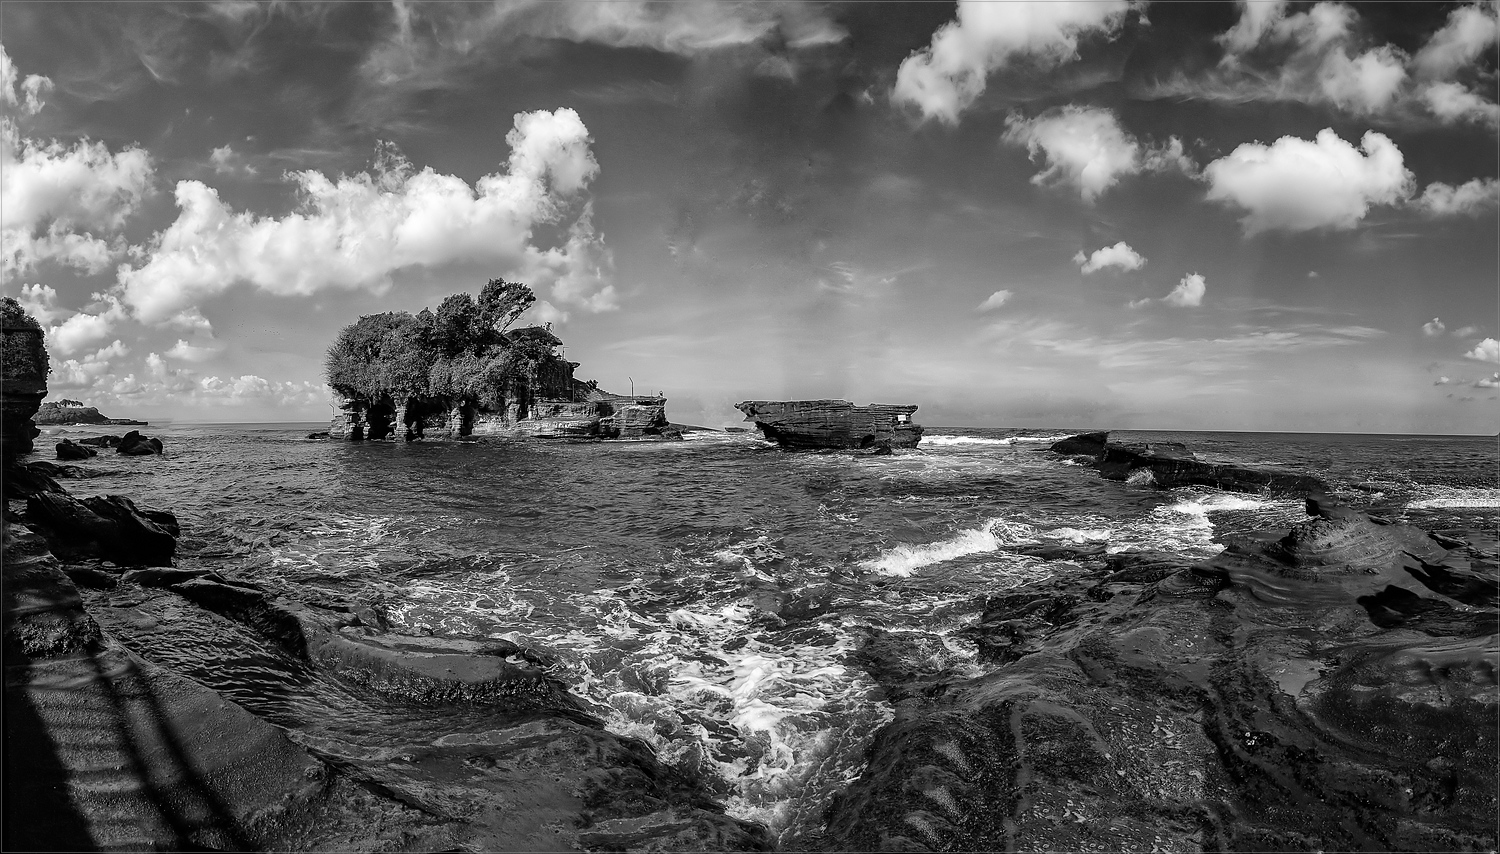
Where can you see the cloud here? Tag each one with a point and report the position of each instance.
(1465, 331)
(1491, 381)
(946, 77)
(1120, 255)
(1433, 328)
(193, 353)
(40, 301)
(1318, 56)
(1300, 185)
(1461, 40)
(995, 300)
(55, 199)
(25, 94)
(1487, 350)
(1086, 148)
(1468, 199)
(1189, 292)
(227, 161)
(1441, 381)
(85, 328)
(356, 231)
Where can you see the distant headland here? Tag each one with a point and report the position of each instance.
(57, 413)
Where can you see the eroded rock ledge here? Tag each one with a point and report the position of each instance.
(836, 424)
(1170, 464)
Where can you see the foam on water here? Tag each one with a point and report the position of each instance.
(1456, 498)
(903, 560)
(941, 439)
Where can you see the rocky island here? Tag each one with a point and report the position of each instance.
(836, 424)
(463, 372)
(63, 413)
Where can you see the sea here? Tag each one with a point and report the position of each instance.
(704, 596)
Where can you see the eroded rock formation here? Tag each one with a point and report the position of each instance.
(1331, 687)
(62, 412)
(839, 424)
(1169, 465)
(23, 378)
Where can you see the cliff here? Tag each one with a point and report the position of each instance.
(56, 412)
(461, 371)
(23, 380)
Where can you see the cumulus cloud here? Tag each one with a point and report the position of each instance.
(1470, 198)
(1295, 184)
(1491, 381)
(40, 301)
(193, 352)
(1189, 292)
(86, 328)
(1319, 56)
(1433, 328)
(356, 231)
(1085, 147)
(995, 300)
(946, 77)
(61, 202)
(1120, 255)
(25, 94)
(1487, 350)
(1441, 381)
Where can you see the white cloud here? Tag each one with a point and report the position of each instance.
(1320, 56)
(85, 328)
(1487, 350)
(1120, 255)
(40, 301)
(227, 161)
(354, 233)
(995, 300)
(1465, 331)
(1433, 328)
(1086, 148)
(1467, 199)
(1453, 102)
(1491, 381)
(25, 94)
(56, 197)
(1300, 185)
(1441, 381)
(946, 77)
(1189, 292)
(193, 353)
(1468, 31)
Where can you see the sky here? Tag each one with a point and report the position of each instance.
(1102, 214)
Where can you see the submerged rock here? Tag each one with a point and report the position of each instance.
(1329, 687)
(833, 424)
(101, 441)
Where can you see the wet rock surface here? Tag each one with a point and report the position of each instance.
(1328, 687)
(1170, 464)
(833, 424)
(134, 444)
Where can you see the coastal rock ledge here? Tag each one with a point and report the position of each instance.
(837, 424)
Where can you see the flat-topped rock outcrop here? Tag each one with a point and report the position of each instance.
(64, 412)
(1170, 464)
(838, 424)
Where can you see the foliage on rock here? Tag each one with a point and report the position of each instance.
(25, 355)
(459, 352)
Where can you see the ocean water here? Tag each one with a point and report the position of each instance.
(702, 595)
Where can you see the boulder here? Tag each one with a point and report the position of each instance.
(28, 479)
(69, 450)
(1084, 444)
(101, 441)
(135, 445)
(108, 526)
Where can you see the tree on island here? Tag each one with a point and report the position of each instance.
(25, 354)
(461, 352)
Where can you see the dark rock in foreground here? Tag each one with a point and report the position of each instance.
(833, 424)
(110, 527)
(23, 378)
(133, 444)
(1330, 687)
(1170, 464)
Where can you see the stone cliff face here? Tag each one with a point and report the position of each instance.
(24, 380)
(74, 412)
(599, 416)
